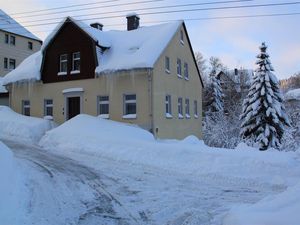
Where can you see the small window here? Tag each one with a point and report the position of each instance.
(76, 62)
(12, 64)
(103, 106)
(129, 106)
(179, 72)
(63, 64)
(48, 107)
(6, 40)
(186, 71)
(26, 107)
(30, 45)
(180, 116)
(5, 63)
(195, 109)
(168, 106)
(12, 40)
(181, 37)
(187, 108)
(167, 64)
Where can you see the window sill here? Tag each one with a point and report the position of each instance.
(75, 72)
(187, 116)
(180, 116)
(178, 75)
(104, 116)
(186, 78)
(169, 116)
(182, 42)
(167, 71)
(61, 73)
(129, 116)
(196, 116)
(48, 118)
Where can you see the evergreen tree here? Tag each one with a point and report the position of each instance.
(263, 117)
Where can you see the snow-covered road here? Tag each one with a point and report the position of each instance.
(63, 191)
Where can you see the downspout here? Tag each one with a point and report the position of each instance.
(150, 92)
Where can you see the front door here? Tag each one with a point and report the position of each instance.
(73, 107)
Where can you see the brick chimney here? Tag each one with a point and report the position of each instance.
(98, 26)
(133, 21)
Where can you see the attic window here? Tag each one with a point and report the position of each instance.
(63, 64)
(76, 62)
(181, 37)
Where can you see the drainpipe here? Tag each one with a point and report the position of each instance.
(150, 92)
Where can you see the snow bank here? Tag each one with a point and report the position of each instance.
(293, 95)
(281, 209)
(2, 88)
(91, 136)
(14, 126)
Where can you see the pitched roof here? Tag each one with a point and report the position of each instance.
(8, 24)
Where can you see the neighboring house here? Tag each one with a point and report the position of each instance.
(144, 75)
(16, 44)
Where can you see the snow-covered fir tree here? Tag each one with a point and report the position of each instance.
(263, 117)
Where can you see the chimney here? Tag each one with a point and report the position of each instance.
(98, 26)
(133, 21)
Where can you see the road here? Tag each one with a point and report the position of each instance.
(61, 190)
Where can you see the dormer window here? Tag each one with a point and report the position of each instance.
(76, 63)
(63, 64)
(181, 37)
(167, 64)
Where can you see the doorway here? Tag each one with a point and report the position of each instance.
(73, 106)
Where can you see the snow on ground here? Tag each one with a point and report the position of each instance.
(14, 126)
(281, 209)
(293, 94)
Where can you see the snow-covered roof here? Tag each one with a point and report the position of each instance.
(244, 76)
(125, 50)
(8, 24)
(293, 94)
(2, 88)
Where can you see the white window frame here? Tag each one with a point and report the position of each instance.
(5, 63)
(180, 108)
(168, 106)
(187, 108)
(74, 58)
(48, 105)
(195, 109)
(101, 103)
(186, 71)
(179, 68)
(126, 115)
(6, 39)
(167, 64)
(25, 106)
(181, 37)
(61, 61)
(12, 40)
(13, 63)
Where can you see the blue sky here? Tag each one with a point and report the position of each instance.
(234, 41)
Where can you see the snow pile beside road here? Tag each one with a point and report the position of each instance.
(8, 186)
(281, 209)
(87, 136)
(293, 94)
(16, 127)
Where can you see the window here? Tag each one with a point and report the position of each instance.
(30, 45)
(12, 64)
(5, 63)
(48, 107)
(26, 107)
(168, 106)
(167, 64)
(186, 71)
(180, 108)
(129, 106)
(6, 39)
(187, 108)
(179, 73)
(181, 37)
(63, 64)
(103, 106)
(76, 63)
(12, 40)
(195, 109)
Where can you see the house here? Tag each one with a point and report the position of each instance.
(16, 44)
(143, 75)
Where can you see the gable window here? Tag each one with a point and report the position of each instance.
(168, 106)
(12, 64)
(129, 106)
(181, 37)
(167, 64)
(26, 107)
(63, 64)
(30, 45)
(179, 72)
(103, 106)
(186, 71)
(5, 63)
(12, 40)
(195, 109)
(187, 108)
(180, 116)
(75, 63)
(48, 107)
(6, 40)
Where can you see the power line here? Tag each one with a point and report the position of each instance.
(172, 11)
